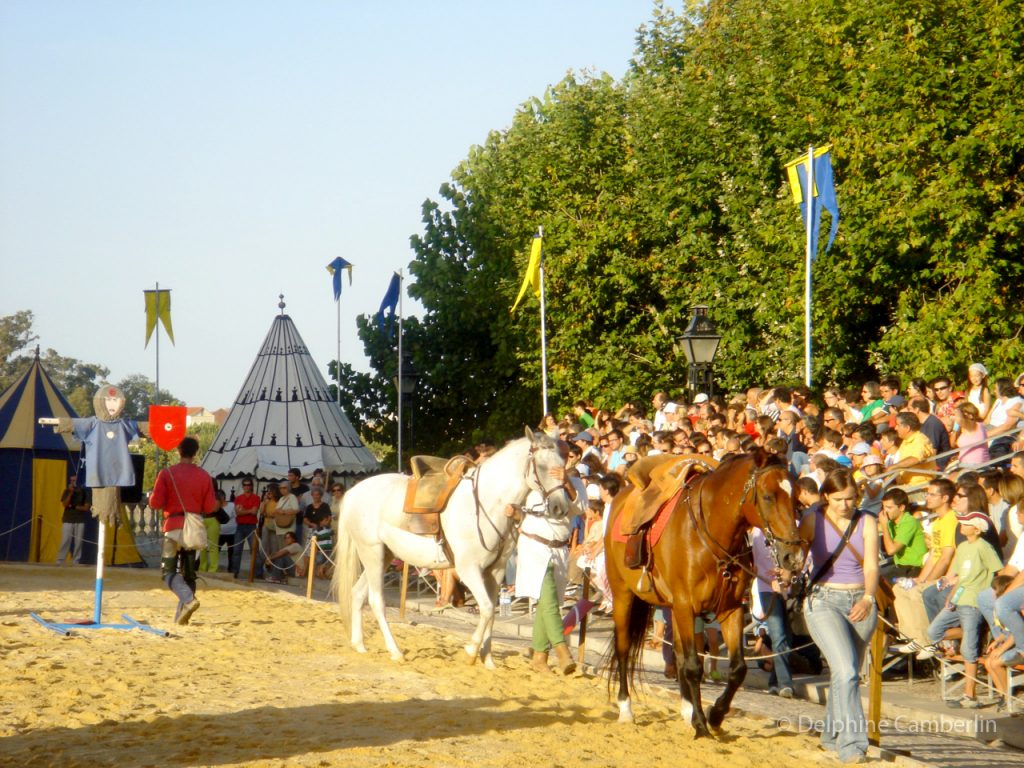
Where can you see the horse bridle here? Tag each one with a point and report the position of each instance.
(770, 538)
(725, 565)
(475, 482)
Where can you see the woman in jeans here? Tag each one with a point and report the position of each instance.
(840, 611)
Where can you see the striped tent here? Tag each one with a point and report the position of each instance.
(284, 416)
(35, 463)
(34, 466)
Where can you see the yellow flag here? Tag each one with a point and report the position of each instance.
(158, 306)
(793, 174)
(532, 277)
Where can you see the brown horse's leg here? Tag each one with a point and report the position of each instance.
(732, 632)
(690, 668)
(622, 608)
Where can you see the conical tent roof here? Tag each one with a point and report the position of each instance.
(32, 397)
(284, 417)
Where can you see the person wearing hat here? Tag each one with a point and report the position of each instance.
(974, 565)
(978, 391)
(585, 441)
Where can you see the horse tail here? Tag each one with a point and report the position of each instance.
(639, 622)
(346, 569)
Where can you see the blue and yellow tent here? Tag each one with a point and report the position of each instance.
(35, 463)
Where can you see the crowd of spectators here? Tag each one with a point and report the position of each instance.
(938, 468)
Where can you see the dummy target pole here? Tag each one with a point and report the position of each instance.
(65, 628)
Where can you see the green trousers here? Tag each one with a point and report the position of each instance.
(547, 619)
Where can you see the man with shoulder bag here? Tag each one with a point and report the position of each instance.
(182, 489)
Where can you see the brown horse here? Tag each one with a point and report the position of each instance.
(701, 565)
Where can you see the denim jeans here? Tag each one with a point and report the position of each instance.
(965, 616)
(843, 644)
(934, 600)
(774, 607)
(243, 533)
(1007, 608)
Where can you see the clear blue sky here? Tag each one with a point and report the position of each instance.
(229, 150)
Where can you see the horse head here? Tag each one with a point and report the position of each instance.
(773, 509)
(545, 471)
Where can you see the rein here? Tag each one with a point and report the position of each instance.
(726, 564)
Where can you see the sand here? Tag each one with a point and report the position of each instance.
(265, 678)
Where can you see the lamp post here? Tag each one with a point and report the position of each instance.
(700, 343)
(405, 385)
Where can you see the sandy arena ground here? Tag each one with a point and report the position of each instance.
(266, 679)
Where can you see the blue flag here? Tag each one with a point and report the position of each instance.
(390, 301)
(335, 268)
(823, 194)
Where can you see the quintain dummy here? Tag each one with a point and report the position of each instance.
(108, 465)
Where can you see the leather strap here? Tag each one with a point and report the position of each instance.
(545, 542)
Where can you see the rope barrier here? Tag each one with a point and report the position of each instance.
(946, 662)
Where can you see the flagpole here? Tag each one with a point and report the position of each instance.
(157, 329)
(543, 331)
(337, 370)
(809, 196)
(398, 381)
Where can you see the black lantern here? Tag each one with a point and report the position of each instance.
(700, 344)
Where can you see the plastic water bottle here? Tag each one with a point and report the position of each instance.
(505, 604)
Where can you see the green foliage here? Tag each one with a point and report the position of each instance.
(667, 189)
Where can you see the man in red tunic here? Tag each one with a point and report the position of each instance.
(182, 488)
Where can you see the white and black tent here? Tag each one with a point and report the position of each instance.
(284, 417)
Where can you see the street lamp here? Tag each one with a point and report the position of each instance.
(405, 384)
(700, 343)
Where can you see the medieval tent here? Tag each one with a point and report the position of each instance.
(35, 463)
(284, 417)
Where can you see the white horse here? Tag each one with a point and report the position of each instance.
(474, 524)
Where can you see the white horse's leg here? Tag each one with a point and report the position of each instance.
(359, 591)
(480, 585)
(373, 573)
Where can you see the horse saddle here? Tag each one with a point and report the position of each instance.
(428, 490)
(656, 479)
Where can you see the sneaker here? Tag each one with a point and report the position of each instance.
(910, 647)
(186, 612)
(928, 652)
(963, 703)
(785, 692)
(773, 691)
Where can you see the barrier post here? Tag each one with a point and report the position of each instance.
(581, 651)
(310, 567)
(875, 684)
(404, 592)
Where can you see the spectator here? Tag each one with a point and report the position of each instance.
(298, 490)
(1004, 419)
(318, 512)
(873, 408)
(932, 428)
(974, 565)
(915, 452)
(286, 512)
(281, 561)
(909, 603)
(771, 596)
(209, 558)
(247, 506)
(997, 507)
(978, 392)
(1007, 607)
(76, 505)
(840, 610)
(228, 528)
(902, 536)
(969, 436)
(267, 527)
(1017, 464)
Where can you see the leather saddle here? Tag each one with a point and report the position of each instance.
(656, 479)
(433, 481)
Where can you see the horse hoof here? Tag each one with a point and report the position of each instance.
(715, 717)
(359, 648)
(470, 656)
(625, 712)
(489, 663)
(397, 656)
(701, 733)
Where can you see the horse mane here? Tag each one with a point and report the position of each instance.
(760, 457)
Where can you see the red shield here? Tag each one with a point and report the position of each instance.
(167, 425)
